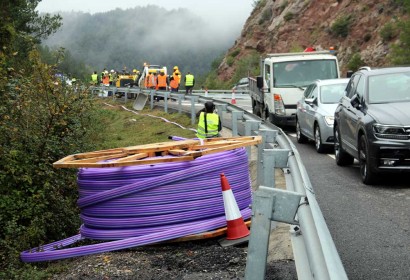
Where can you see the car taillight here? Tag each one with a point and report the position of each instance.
(278, 104)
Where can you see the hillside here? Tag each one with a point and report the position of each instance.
(361, 31)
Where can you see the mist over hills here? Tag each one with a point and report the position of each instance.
(150, 34)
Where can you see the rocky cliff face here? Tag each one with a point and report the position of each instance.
(356, 29)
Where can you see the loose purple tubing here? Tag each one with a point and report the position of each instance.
(139, 205)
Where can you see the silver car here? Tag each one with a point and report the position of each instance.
(315, 112)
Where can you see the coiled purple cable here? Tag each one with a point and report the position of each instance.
(145, 204)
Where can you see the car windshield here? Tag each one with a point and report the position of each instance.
(303, 73)
(387, 88)
(332, 93)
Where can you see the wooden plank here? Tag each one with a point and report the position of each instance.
(132, 157)
(177, 152)
(125, 163)
(208, 234)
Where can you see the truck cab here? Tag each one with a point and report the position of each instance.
(284, 77)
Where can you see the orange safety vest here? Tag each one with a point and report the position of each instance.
(148, 81)
(162, 81)
(177, 77)
(173, 84)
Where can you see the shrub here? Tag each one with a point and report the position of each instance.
(341, 26)
(388, 32)
(355, 62)
(289, 16)
(43, 121)
(235, 52)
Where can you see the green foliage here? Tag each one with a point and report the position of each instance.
(341, 26)
(230, 60)
(296, 48)
(66, 63)
(248, 65)
(258, 3)
(388, 32)
(355, 62)
(235, 52)
(42, 121)
(400, 54)
(289, 16)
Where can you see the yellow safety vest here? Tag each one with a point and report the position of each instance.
(189, 80)
(212, 121)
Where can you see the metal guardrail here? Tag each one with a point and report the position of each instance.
(315, 253)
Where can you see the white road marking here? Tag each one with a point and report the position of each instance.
(332, 156)
(292, 134)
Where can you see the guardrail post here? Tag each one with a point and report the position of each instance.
(273, 158)
(249, 127)
(268, 136)
(194, 99)
(126, 95)
(220, 108)
(151, 93)
(166, 102)
(262, 214)
(236, 115)
(180, 103)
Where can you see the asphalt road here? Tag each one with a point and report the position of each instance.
(370, 225)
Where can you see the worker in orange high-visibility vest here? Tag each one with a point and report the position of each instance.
(162, 80)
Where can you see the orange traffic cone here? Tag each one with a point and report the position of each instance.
(233, 100)
(236, 227)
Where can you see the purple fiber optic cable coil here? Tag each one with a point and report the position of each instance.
(144, 204)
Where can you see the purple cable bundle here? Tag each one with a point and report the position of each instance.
(145, 204)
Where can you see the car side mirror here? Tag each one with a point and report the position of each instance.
(355, 101)
(311, 101)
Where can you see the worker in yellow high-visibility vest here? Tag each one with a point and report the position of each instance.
(189, 83)
(209, 123)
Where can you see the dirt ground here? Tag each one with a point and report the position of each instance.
(203, 259)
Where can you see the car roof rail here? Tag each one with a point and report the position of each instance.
(365, 68)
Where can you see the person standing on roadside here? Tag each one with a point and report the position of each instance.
(162, 80)
(189, 82)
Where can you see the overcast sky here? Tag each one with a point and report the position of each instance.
(227, 12)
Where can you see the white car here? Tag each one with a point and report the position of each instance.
(243, 84)
(315, 112)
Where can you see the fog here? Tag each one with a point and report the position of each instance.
(127, 38)
(119, 38)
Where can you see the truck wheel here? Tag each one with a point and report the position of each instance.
(266, 114)
(257, 109)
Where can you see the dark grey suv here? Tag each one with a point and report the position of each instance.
(372, 122)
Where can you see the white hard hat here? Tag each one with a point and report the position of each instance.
(112, 71)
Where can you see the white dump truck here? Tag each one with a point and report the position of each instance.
(284, 77)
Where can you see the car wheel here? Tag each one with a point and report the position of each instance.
(299, 136)
(320, 147)
(342, 157)
(368, 175)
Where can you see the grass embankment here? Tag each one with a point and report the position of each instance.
(121, 128)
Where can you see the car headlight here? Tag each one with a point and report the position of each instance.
(329, 120)
(391, 132)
